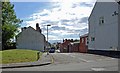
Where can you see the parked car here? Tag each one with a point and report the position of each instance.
(52, 50)
(58, 51)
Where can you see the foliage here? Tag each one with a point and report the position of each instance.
(10, 23)
(18, 55)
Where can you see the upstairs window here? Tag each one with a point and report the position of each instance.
(82, 40)
(101, 20)
(87, 41)
(92, 38)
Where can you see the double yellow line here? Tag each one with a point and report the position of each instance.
(52, 59)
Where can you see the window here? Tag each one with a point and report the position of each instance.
(92, 38)
(87, 41)
(82, 40)
(101, 20)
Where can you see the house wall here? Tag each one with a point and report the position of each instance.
(83, 44)
(64, 48)
(106, 35)
(75, 47)
(67, 47)
(31, 39)
(119, 27)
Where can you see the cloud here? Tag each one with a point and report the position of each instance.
(86, 4)
(67, 19)
(57, 28)
(83, 20)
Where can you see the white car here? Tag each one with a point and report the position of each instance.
(58, 51)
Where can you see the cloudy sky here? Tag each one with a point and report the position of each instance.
(68, 18)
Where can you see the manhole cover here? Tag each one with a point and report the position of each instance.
(98, 69)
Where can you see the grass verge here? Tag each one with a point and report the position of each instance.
(18, 55)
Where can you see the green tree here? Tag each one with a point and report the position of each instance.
(10, 23)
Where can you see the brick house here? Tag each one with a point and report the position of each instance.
(64, 47)
(69, 46)
(83, 43)
(74, 46)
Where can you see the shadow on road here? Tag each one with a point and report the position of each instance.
(113, 54)
(27, 66)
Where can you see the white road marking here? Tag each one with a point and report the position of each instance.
(84, 60)
(112, 58)
(72, 56)
(98, 69)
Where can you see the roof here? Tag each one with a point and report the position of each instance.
(84, 35)
(74, 42)
(97, 1)
(28, 28)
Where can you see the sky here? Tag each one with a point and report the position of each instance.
(68, 19)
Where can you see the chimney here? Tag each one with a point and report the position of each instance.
(38, 28)
(71, 40)
(63, 40)
(23, 28)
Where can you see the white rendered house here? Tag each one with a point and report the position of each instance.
(103, 26)
(31, 39)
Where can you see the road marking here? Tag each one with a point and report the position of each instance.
(72, 56)
(84, 60)
(52, 59)
(112, 58)
(98, 69)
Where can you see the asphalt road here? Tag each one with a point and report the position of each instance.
(75, 62)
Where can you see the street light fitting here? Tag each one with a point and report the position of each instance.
(48, 25)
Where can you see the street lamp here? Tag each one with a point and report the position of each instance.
(47, 38)
(47, 31)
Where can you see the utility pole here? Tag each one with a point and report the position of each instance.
(47, 39)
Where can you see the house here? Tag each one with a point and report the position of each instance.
(119, 26)
(64, 47)
(31, 38)
(104, 26)
(83, 43)
(69, 46)
(74, 46)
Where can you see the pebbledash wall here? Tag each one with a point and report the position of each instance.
(103, 26)
(119, 26)
(31, 39)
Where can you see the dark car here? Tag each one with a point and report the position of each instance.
(52, 50)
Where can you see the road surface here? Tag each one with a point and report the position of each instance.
(75, 62)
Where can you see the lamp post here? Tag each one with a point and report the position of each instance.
(47, 38)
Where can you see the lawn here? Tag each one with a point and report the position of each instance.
(18, 55)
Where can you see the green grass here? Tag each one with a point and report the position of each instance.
(17, 56)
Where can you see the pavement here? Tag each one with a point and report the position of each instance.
(44, 60)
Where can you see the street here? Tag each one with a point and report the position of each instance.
(75, 62)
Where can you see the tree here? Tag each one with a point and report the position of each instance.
(10, 23)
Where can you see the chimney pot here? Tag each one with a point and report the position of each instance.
(22, 29)
(38, 28)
